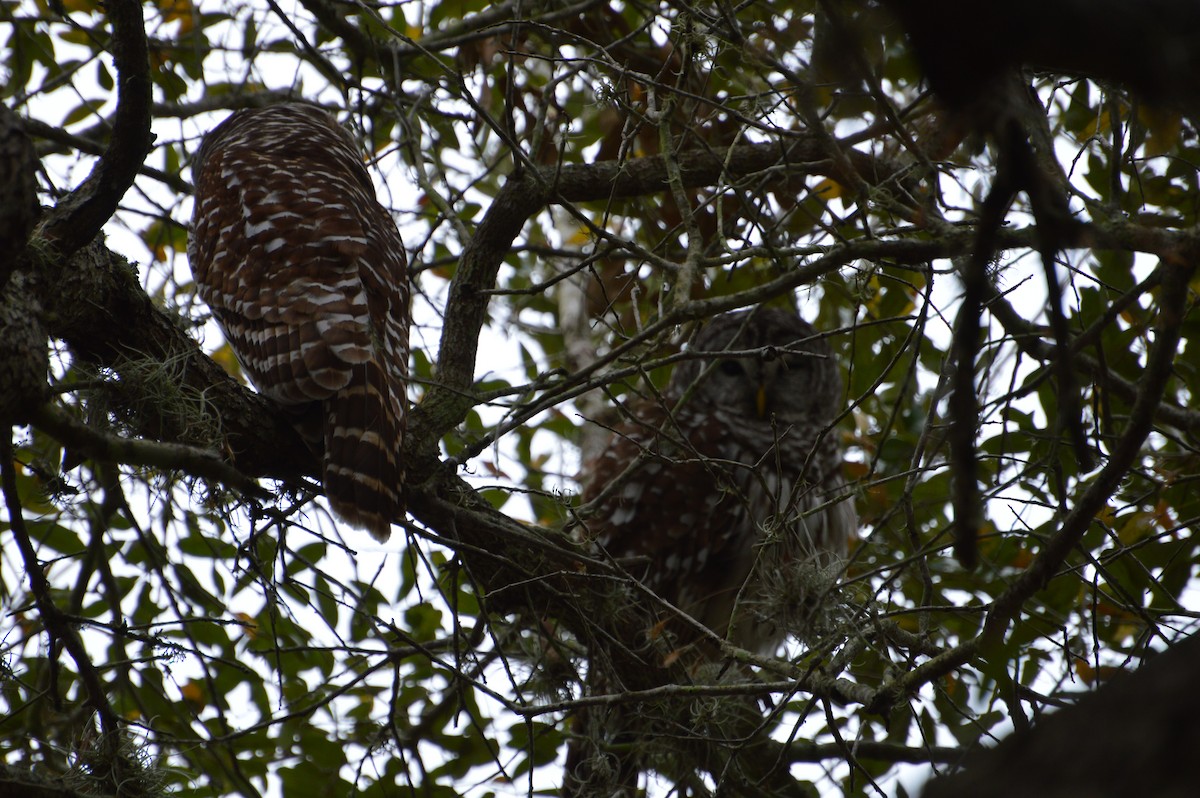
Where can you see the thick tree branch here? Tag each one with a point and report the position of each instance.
(77, 219)
(15, 783)
(1127, 738)
(116, 449)
(18, 190)
(24, 351)
(773, 165)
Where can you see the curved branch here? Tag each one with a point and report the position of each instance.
(77, 219)
(773, 164)
(1173, 299)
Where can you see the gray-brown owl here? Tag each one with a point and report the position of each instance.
(723, 497)
(726, 498)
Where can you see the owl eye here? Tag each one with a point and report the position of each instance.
(730, 368)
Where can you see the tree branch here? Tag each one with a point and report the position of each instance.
(1173, 297)
(15, 783)
(1147, 719)
(58, 628)
(77, 219)
(18, 190)
(168, 456)
(1147, 45)
(774, 164)
(82, 143)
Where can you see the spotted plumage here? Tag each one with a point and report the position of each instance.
(724, 496)
(306, 274)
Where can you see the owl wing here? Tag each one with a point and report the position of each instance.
(298, 261)
(305, 271)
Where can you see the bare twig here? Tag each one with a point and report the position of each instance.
(1173, 298)
(58, 627)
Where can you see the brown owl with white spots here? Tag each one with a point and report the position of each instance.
(726, 498)
(305, 272)
(718, 495)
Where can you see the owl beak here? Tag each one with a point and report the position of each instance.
(760, 401)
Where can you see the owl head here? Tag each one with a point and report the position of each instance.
(763, 365)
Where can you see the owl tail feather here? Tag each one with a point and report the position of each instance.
(364, 429)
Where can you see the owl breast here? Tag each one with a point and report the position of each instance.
(729, 500)
(777, 520)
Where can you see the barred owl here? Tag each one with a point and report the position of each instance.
(727, 498)
(305, 272)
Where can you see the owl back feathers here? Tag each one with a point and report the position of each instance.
(306, 274)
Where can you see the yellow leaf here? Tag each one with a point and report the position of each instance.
(1109, 610)
(226, 359)
(76, 6)
(249, 625)
(1162, 515)
(582, 235)
(909, 623)
(827, 189)
(671, 658)
(178, 11)
(1021, 558)
(193, 693)
(1089, 675)
(1136, 527)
